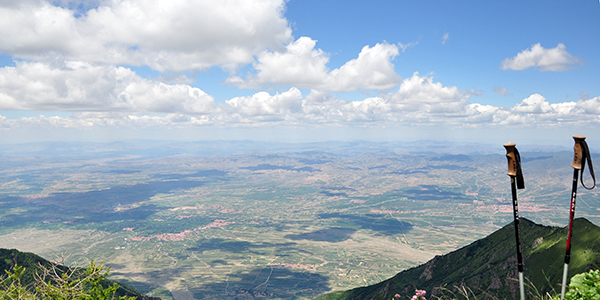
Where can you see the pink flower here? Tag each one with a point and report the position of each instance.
(419, 295)
(397, 296)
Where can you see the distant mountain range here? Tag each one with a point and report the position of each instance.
(489, 266)
(31, 262)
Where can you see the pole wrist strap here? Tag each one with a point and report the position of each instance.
(587, 157)
(519, 177)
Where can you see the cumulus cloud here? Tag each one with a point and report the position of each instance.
(554, 59)
(502, 91)
(263, 105)
(162, 34)
(300, 64)
(304, 66)
(537, 110)
(590, 106)
(476, 113)
(421, 93)
(373, 70)
(417, 100)
(78, 86)
(535, 104)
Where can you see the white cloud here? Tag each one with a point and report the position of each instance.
(421, 93)
(536, 110)
(590, 106)
(300, 65)
(162, 34)
(445, 38)
(78, 86)
(554, 59)
(304, 66)
(372, 70)
(403, 47)
(263, 104)
(535, 104)
(484, 114)
(502, 91)
(417, 100)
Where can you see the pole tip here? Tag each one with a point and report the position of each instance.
(507, 145)
(579, 137)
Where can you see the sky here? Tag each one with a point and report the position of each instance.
(300, 70)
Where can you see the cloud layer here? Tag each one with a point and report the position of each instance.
(164, 35)
(78, 86)
(76, 56)
(116, 97)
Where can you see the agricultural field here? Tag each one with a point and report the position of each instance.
(203, 221)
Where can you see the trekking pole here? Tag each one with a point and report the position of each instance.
(516, 181)
(582, 154)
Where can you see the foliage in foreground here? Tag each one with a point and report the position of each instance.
(583, 286)
(56, 284)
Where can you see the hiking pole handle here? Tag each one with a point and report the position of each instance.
(514, 164)
(578, 156)
(512, 159)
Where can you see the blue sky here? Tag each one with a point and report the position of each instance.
(521, 71)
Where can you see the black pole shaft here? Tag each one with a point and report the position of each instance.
(571, 215)
(516, 223)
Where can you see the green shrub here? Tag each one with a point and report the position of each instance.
(56, 284)
(584, 286)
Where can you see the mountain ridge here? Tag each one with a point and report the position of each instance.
(488, 266)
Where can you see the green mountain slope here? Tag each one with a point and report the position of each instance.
(31, 262)
(489, 266)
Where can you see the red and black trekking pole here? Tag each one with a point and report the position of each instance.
(516, 181)
(582, 155)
